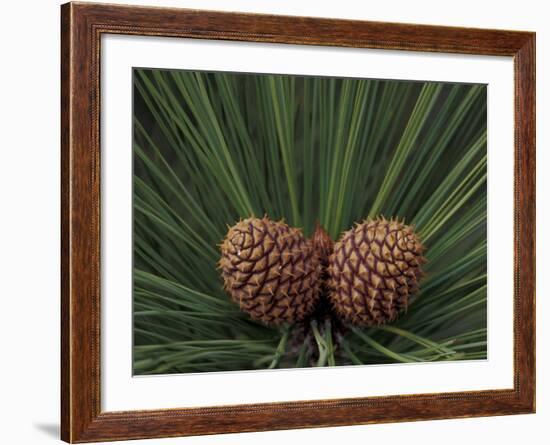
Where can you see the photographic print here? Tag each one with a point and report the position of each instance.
(286, 221)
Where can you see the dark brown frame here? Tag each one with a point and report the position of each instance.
(82, 25)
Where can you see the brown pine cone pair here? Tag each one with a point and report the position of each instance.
(276, 275)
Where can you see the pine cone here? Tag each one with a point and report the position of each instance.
(322, 243)
(374, 270)
(270, 270)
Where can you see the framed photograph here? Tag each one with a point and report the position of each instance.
(274, 222)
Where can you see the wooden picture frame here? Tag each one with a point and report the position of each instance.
(82, 26)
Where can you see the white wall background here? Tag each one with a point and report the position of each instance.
(29, 219)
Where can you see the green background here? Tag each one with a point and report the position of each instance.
(210, 148)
